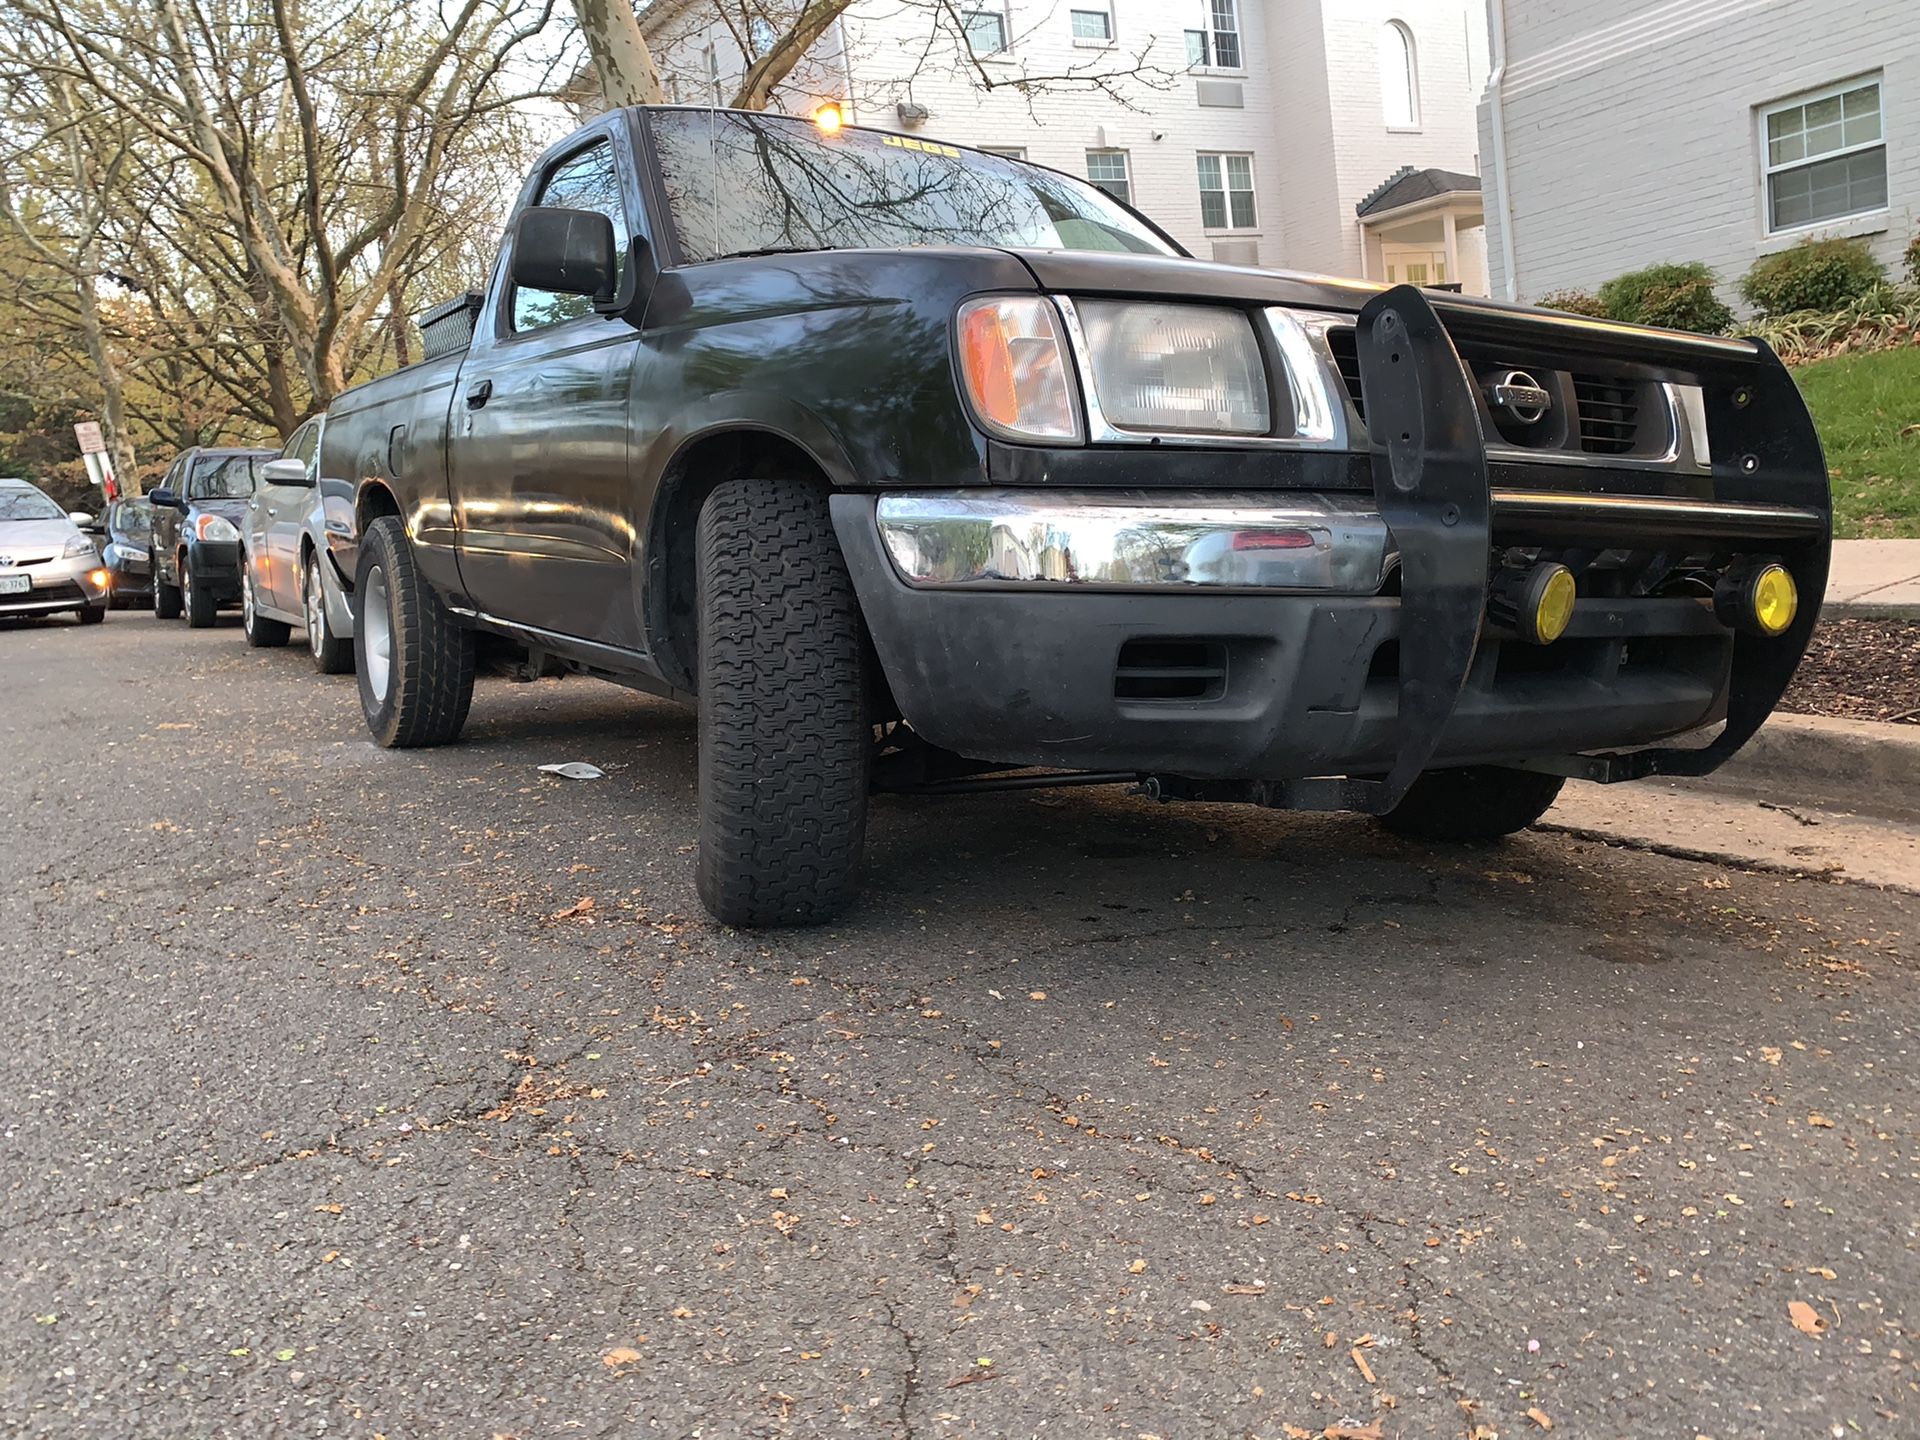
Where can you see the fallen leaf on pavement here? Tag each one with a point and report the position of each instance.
(1366, 1370)
(1805, 1318)
(1352, 1432)
(1539, 1417)
(1819, 1122)
(579, 907)
(620, 1355)
(1258, 1287)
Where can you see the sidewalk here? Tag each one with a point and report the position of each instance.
(1874, 579)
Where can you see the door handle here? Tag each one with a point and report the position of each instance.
(479, 393)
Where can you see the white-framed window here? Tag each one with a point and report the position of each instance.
(1223, 25)
(1399, 77)
(1092, 27)
(1005, 152)
(986, 31)
(1824, 155)
(1108, 170)
(1226, 192)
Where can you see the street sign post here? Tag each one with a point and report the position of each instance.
(93, 454)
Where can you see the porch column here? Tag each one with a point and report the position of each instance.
(1450, 233)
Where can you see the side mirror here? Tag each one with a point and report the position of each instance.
(286, 471)
(167, 497)
(83, 520)
(569, 252)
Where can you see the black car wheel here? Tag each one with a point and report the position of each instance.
(1475, 802)
(197, 600)
(785, 740)
(415, 660)
(93, 614)
(166, 598)
(261, 632)
(331, 654)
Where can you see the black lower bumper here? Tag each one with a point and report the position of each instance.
(1289, 686)
(216, 569)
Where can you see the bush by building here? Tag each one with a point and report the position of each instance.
(1574, 302)
(1813, 275)
(1678, 296)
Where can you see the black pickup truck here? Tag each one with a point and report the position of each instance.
(920, 469)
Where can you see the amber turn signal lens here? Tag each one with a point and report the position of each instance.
(1015, 369)
(828, 119)
(1757, 596)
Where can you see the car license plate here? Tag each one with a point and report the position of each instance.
(15, 584)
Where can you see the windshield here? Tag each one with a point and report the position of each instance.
(223, 477)
(28, 505)
(741, 183)
(133, 518)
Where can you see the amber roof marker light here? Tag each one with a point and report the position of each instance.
(828, 119)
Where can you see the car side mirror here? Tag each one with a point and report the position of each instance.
(568, 252)
(168, 497)
(286, 471)
(83, 520)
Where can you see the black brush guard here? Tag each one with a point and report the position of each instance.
(1767, 491)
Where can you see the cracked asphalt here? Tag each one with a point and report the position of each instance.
(361, 1093)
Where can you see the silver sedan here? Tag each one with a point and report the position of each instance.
(287, 573)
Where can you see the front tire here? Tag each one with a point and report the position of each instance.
(261, 633)
(1475, 802)
(785, 739)
(93, 614)
(166, 598)
(331, 654)
(196, 600)
(415, 659)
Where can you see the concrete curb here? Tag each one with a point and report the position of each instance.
(1868, 610)
(1859, 765)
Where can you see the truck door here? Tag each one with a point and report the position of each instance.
(538, 441)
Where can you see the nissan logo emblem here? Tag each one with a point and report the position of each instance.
(1521, 396)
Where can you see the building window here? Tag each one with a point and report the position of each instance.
(1199, 48)
(1092, 27)
(1399, 77)
(1108, 170)
(986, 31)
(1223, 21)
(1226, 192)
(1826, 156)
(1005, 152)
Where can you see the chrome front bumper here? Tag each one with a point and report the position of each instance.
(1318, 544)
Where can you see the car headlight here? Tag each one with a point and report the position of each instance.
(214, 527)
(1181, 368)
(78, 545)
(1015, 368)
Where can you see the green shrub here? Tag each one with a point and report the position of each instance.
(1678, 296)
(1813, 275)
(1574, 302)
(1885, 317)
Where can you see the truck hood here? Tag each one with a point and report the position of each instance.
(1091, 272)
(35, 536)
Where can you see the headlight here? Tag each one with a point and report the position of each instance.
(1015, 369)
(78, 545)
(1176, 368)
(214, 527)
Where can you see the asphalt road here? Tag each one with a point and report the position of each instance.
(331, 1105)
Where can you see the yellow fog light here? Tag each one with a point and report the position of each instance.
(1757, 596)
(1536, 602)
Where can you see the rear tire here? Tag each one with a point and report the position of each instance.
(166, 598)
(1475, 802)
(415, 659)
(331, 654)
(197, 600)
(261, 633)
(785, 739)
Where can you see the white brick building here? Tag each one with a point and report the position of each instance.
(1252, 130)
(1719, 130)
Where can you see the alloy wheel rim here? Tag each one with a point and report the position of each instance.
(246, 596)
(376, 632)
(316, 608)
(186, 586)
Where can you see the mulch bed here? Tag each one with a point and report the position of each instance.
(1860, 670)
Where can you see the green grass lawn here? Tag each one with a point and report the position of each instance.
(1862, 404)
